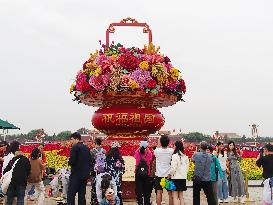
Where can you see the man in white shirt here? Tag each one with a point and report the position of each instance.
(163, 156)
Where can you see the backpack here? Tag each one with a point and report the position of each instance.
(99, 161)
(142, 167)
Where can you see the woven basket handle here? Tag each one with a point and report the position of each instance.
(128, 22)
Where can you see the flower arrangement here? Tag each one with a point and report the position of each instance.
(116, 69)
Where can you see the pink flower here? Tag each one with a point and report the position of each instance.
(99, 83)
(141, 76)
(153, 59)
(106, 63)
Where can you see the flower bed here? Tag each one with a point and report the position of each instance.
(57, 157)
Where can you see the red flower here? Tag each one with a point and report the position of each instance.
(182, 86)
(166, 59)
(151, 84)
(128, 61)
(81, 83)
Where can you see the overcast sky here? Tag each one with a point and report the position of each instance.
(224, 50)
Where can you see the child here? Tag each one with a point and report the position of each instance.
(110, 198)
(103, 182)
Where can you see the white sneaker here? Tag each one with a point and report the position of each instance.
(225, 201)
(220, 201)
(235, 200)
(241, 200)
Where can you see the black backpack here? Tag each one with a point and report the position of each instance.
(142, 167)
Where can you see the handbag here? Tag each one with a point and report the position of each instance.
(198, 179)
(6, 178)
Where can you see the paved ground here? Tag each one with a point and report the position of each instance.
(255, 193)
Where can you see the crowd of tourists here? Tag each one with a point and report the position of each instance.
(160, 168)
(20, 175)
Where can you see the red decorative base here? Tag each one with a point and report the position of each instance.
(128, 190)
(127, 122)
(125, 138)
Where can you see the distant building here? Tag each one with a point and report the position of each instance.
(229, 135)
(163, 132)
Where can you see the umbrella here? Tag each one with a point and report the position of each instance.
(5, 125)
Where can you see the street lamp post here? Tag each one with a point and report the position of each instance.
(254, 132)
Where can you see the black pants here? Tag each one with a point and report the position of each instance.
(207, 187)
(75, 186)
(143, 190)
(152, 185)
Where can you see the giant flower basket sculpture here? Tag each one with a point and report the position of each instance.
(128, 85)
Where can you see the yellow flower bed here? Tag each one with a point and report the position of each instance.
(247, 164)
(54, 160)
(252, 170)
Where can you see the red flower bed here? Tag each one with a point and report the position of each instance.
(126, 148)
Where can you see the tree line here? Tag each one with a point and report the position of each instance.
(189, 137)
(31, 135)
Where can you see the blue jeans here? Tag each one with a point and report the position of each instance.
(13, 191)
(223, 187)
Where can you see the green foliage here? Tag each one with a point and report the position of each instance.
(31, 135)
(83, 130)
(196, 137)
(64, 135)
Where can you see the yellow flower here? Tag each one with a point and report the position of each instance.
(93, 56)
(144, 65)
(94, 70)
(174, 73)
(159, 72)
(114, 57)
(151, 49)
(90, 67)
(154, 71)
(133, 84)
(72, 88)
(97, 72)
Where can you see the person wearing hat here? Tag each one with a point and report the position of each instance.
(115, 166)
(143, 158)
